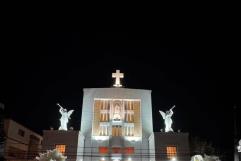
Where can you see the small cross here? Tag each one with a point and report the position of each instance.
(117, 77)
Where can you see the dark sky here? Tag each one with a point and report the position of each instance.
(40, 70)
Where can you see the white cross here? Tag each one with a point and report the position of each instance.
(117, 77)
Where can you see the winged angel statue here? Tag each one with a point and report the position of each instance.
(168, 120)
(64, 118)
(239, 146)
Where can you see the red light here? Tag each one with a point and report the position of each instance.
(103, 150)
(116, 150)
(129, 150)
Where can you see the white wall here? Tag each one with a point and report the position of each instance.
(116, 93)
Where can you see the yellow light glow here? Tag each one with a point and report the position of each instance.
(171, 152)
(61, 148)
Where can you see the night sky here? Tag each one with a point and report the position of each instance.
(40, 70)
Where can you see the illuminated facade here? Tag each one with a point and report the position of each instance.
(117, 125)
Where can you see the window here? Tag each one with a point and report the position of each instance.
(171, 152)
(129, 131)
(104, 117)
(103, 150)
(61, 148)
(103, 131)
(33, 146)
(131, 119)
(21, 132)
(116, 130)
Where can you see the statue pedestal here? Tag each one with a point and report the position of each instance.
(168, 145)
(67, 140)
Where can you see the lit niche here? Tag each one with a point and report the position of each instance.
(115, 118)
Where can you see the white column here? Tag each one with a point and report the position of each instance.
(128, 130)
(111, 110)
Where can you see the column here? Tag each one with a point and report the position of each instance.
(128, 131)
(106, 130)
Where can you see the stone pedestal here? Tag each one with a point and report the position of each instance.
(167, 146)
(69, 139)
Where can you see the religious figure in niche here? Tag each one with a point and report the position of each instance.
(64, 118)
(168, 120)
(117, 112)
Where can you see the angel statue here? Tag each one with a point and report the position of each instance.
(239, 146)
(168, 120)
(64, 118)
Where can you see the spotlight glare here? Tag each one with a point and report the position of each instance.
(174, 159)
(102, 158)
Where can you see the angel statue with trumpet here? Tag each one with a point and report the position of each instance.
(168, 120)
(64, 118)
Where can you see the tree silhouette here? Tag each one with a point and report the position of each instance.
(2, 134)
(201, 146)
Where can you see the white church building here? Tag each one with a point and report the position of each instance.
(117, 125)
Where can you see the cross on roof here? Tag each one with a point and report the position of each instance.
(117, 77)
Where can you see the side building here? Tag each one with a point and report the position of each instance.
(21, 143)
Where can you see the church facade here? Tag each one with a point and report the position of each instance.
(117, 125)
